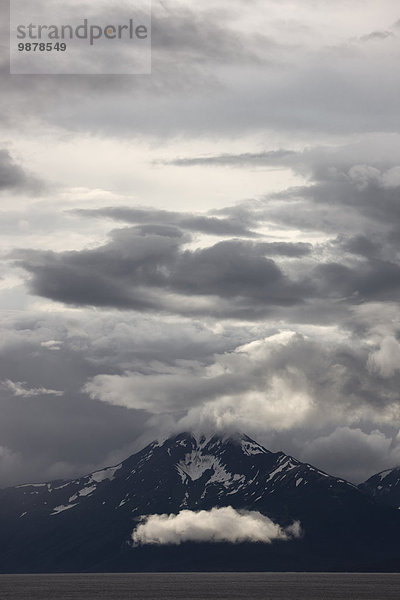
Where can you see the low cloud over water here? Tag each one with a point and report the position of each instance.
(215, 525)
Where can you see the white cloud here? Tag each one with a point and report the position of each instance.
(237, 390)
(52, 344)
(215, 525)
(18, 388)
(283, 404)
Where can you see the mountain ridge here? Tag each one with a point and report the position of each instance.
(87, 523)
(202, 439)
(384, 486)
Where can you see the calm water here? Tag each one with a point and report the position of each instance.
(198, 586)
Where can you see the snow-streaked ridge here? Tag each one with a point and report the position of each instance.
(250, 448)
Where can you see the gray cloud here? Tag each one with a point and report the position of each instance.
(202, 59)
(45, 436)
(359, 452)
(13, 177)
(308, 394)
(247, 159)
(204, 36)
(161, 218)
(355, 164)
(285, 390)
(385, 360)
(376, 35)
(187, 44)
(142, 266)
(139, 269)
(361, 245)
(258, 386)
(373, 280)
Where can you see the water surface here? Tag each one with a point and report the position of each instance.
(199, 586)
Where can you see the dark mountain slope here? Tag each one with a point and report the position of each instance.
(85, 524)
(384, 486)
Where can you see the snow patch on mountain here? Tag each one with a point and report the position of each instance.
(86, 491)
(195, 464)
(287, 464)
(250, 448)
(59, 509)
(60, 487)
(103, 474)
(35, 485)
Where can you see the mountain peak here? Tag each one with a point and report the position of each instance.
(208, 440)
(189, 473)
(384, 486)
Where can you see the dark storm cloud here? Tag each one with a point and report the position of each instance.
(347, 386)
(113, 275)
(235, 269)
(13, 177)
(373, 201)
(361, 245)
(143, 266)
(169, 224)
(137, 270)
(192, 222)
(373, 280)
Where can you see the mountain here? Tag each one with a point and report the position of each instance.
(384, 487)
(86, 524)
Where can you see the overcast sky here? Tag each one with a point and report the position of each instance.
(212, 246)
